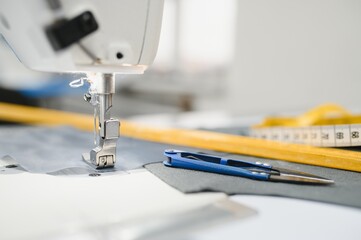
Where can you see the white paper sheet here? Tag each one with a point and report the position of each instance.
(34, 206)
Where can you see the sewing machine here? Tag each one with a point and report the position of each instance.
(98, 38)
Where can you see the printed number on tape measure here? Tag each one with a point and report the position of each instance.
(323, 136)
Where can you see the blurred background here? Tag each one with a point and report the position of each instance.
(221, 58)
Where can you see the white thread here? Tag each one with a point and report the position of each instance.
(93, 101)
(78, 82)
(96, 129)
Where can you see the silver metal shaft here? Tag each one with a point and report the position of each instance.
(104, 154)
(105, 103)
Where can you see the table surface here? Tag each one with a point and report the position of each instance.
(36, 205)
(285, 218)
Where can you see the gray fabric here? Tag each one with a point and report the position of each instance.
(52, 149)
(41, 150)
(345, 191)
(44, 150)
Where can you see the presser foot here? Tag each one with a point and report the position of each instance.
(99, 160)
(104, 155)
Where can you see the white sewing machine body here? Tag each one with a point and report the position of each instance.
(104, 36)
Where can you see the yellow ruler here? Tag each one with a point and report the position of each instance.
(326, 157)
(328, 125)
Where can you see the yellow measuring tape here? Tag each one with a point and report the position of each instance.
(334, 158)
(328, 125)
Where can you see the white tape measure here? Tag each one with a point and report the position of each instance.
(322, 136)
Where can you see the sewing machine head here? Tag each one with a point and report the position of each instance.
(98, 37)
(108, 36)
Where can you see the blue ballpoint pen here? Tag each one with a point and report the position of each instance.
(258, 171)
